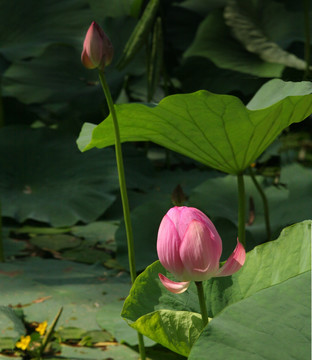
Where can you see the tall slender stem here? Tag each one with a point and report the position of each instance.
(1, 106)
(123, 192)
(307, 46)
(202, 303)
(2, 257)
(122, 178)
(241, 209)
(265, 204)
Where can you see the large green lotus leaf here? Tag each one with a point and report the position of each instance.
(272, 324)
(28, 27)
(216, 130)
(41, 286)
(266, 266)
(44, 177)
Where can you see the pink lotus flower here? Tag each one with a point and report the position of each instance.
(189, 246)
(97, 48)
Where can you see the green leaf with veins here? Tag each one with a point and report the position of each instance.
(216, 130)
(268, 267)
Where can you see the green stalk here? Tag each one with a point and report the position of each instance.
(2, 258)
(202, 303)
(241, 209)
(123, 192)
(307, 46)
(1, 107)
(265, 204)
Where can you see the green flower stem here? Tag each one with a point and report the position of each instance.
(122, 178)
(307, 46)
(202, 303)
(123, 192)
(265, 204)
(241, 209)
(2, 258)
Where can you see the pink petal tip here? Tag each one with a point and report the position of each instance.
(234, 262)
(174, 287)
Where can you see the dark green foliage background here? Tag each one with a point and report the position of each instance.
(64, 237)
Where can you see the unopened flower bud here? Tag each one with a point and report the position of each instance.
(97, 48)
(189, 246)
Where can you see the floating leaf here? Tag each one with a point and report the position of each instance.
(83, 353)
(96, 336)
(101, 233)
(55, 242)
(79, 288)
(108, 318)
(6, 343)
(70, 333)
(44, 177)
(86, 255)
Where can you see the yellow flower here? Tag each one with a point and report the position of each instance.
(23, 343)
(41, 328)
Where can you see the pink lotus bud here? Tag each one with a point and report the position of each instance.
(97, 48)
(189, 246)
